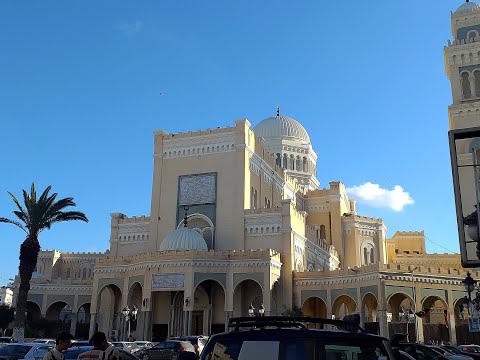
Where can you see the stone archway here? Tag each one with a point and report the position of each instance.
(401, 307)
(34, 313)
(247, 292)
(83, 321)
(59, 315)
(369, 313)
(315, 307)
(135, 296)
(342, 306)
(209, 317)
(435, 326)
(108, 318)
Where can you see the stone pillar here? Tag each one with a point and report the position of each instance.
(360, 309)
(228, 316)
(418, 307)
(382, 309)
(190, 316)
(147, 327)
(329, 304)
(266, 299)
(452, 327)
(93, 322)
(73, 324)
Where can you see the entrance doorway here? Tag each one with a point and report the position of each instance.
(197, 322)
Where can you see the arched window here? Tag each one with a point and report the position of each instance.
(279, 160)
(472, 34)
(252, 199)
(265, 206)
(292, 162)
(477, 83)
(365, 256)
(298, 166)
(68, 273)
(322, 232)
(466, 90)
(368, 253)
(84, 273)
(255, 204)
(285, 161)
(305, 167)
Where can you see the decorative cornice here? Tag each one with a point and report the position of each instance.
(207, 144)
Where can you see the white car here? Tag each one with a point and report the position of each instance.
(25, 351)
(126, 345)
(144, 344)
(45, 341)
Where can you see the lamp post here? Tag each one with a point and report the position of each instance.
(408, 315)
(469, 284)
(251, 310)
(414, 296)
(261, 311)
(129, 314)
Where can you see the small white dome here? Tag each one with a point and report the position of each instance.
(467, 8)
(281, 127)
(183, 239)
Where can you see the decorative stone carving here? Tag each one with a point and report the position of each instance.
(197, 189)
(168, 281)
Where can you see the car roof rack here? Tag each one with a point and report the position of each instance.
(351, 322)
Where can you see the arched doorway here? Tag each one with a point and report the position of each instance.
(461, 313)
(209, 318)
(402, 311)
(83, 321)
(369, 313)
(135, 295)
(59, 316)
(33, 312)
(317, 308)
(435, 325)
(342, 306)
(109, 311)
(247, 292)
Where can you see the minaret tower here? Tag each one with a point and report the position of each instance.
(462, 65)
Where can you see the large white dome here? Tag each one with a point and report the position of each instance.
(281, 127)
(467, 8)
(183, 239)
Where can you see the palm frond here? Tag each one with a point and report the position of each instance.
(16, 223)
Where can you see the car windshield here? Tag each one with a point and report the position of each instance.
(118, 345)
(18, 351)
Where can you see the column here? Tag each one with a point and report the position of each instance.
(266, 299)
(382, 309)
(360, 309)
(228, 316)
(329, 304)
(73, 324)
(471, 77)
(418, 307)
(147, 327)
(93, 322)
(452, 327)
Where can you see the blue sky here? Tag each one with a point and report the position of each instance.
(80, 86)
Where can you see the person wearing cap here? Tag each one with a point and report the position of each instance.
(102, 350)
(62, 343)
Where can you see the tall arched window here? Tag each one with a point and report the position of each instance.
(477, 83)
(298, 167)
(84, 273)
(252, 199)
(305, 167)
(285, 161)
(279, 160)
(368, 253)
(322, 232)
(292, 162)
(255, 199)
(466, 90)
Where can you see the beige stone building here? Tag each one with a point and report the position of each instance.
(239, 219)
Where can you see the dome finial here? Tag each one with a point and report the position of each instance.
(278, 110)
(185, 217)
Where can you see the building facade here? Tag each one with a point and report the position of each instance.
(6, 296)
(238, 220)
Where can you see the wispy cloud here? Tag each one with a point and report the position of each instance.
(376, 196)
(130, 29)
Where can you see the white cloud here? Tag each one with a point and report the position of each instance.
(376, 196)
(130, 29)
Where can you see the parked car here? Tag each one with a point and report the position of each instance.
(144, 344)
(404, 356)
(79, 343)
(45, 341)
(289, 338)
(198, 341)
(4, 340)
(448, 354)
(130, 347)
(469, 348)
(457, 351)
(421, 352)
(25, 351)
(73, 352)
(167, 350)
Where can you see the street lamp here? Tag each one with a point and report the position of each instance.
(129, 314)
(261, 310)
(469, 284)
(251, 310)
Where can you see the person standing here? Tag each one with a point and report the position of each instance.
(62, 343)
(102, 350)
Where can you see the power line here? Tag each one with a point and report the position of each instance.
(440, 246)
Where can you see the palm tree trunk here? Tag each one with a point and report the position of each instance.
(28, 261)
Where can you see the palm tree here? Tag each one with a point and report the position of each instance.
(35, 216)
